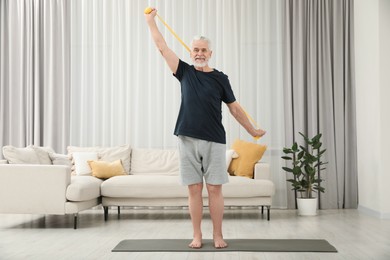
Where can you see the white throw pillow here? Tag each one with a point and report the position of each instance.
(230, 154)
(43, 154)
(26, 155)
(81, 162)
(60, 159)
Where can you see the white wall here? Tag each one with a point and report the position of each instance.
(384, 40)
(372, 59)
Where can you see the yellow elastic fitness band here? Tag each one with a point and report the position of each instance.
(148, 10)
(253, 121)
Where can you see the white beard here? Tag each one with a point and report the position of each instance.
(200, 64)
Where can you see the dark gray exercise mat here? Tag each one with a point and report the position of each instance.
(249, 245)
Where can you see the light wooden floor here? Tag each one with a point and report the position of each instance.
(355, 235)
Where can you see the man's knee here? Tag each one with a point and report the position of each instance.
(195, 189)
(214, 189)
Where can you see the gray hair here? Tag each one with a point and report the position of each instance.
(201, 38)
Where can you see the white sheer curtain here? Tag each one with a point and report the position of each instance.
(34, 73)
(122, 92)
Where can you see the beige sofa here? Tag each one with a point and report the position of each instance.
(46, 189)
(151, 179)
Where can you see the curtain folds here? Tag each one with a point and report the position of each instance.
(34, 73)
(320, 90)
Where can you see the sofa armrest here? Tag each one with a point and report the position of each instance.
(33, 189)
(3, 162)
(261, 171)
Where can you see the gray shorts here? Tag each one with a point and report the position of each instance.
(202, 159)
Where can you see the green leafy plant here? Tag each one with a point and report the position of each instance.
(305, 164)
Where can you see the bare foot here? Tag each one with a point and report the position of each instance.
(196, 243)
(219, 242)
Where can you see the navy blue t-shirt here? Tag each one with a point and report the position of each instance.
(202, 94)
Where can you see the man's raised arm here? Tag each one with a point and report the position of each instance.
(170, 57)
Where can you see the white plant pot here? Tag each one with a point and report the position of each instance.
(307, 207)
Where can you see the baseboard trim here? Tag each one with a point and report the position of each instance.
(374, 213)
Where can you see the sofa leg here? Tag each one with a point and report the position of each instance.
(268, 212)
(262, 210)
(119, 211)
(105, 208)
(75, 220)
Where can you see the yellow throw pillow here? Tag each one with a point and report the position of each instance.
(248, 155)
(105, 170)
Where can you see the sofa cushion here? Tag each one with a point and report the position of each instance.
(43, 154)
(154, 162)
(27, 155)
(239, 187)
(15, 155)
(144, 186)
(60, 159)
(83, 188)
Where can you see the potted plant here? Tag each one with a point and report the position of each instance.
(305, 165)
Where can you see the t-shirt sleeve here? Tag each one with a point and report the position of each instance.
(228, 95)
(180, 70)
